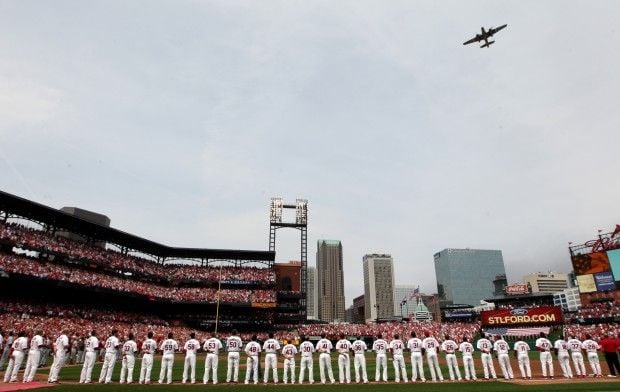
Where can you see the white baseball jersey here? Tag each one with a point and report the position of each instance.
(169, 346)
(20, 344)
(590, 346)
(306, 349)
(289, 351)
(415, 345)
(36, 342)
(574, 345)
(213, 346)
(62, 342)
(234, 344)
(111, 344)
(484, 345)
(252, 349)
(380, 346)
(561, 346)
(431, 345)
(521, 347)
(501, 347)
(543, 344)
(191, 347)
(271, 346)
(324, 346)
(359, 347)
(91, 344)
(1, 341)
(397, 346)
(129, 348)
(149, 346)
(449, 346)
(467, 349)
(343, 346)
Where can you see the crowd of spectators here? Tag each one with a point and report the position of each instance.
(596, 311)
(50, 271)
(41, 241)
(456, 330)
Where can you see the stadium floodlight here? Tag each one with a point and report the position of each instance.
(276, 210)
(301, 209)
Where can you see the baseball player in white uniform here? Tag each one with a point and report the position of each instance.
(306, 348)
(359, 360)
(212, 346)
(502, 349)
(343, 347)
(252, 350)
(289, 351)
(168, 347)
(449, 347)
(129, 350)
(544, 346)
(34, 356)
(149, 346)
(91, 345)
(467, 350)
(233, 345)
(61, 347)
(19, 347)
(271, 347)
(415, 346)
(5, 344)
(400, 369)
(380, 347)
(190, 347)
(430, 346)
(324, 347)
(574, 345)
(111, 345)
(522, 350)
(561, 350)
(485, 346)
(592, 348)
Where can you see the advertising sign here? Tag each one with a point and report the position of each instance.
(517, 288)
(530, 316)
(614, 262)
(590, 263)
(586, 283)
(604, 281)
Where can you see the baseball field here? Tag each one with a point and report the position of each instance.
(70, 375)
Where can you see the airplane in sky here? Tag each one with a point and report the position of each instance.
(485, 36)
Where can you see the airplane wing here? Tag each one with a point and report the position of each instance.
(477, 38)
(495, 30)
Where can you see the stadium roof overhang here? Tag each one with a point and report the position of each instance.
(27, 209)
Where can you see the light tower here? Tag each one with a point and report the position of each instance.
(301, 224)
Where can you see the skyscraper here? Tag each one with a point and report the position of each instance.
(311, 294)
(378, 286)
(465, 276)
(330, 281)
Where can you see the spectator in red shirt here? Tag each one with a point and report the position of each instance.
(610, 346)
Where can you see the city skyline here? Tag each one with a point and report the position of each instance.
(180, 120)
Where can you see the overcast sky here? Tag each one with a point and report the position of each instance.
(181, 119)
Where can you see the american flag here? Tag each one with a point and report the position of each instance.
(517, 331)
(415, 293)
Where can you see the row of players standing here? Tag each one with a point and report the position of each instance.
(429, 347)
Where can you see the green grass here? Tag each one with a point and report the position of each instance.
(72, 374)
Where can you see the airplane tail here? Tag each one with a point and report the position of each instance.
(488, 44)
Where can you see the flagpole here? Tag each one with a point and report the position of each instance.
(217, 307)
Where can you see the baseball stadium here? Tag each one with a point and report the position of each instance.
(82, 302)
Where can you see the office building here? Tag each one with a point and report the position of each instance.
(311, 299)
(466, 276)
(378, 287)
(547, 282)
(568, 299)
(330, 281)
